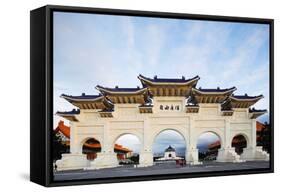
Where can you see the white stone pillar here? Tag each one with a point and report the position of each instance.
(254, 152)
(227, 153)
(249, 152)
(192, 153)
(107, 146)
(107, 157)
(227, 140)
(146, 155)
(254, 133)
(75, 159)
(191, 156)
(74, 144)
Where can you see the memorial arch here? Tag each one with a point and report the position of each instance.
(158, 105)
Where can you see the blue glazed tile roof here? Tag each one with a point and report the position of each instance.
(72, 112)
(217, 89)
(83, 96)
(169, 80)
(251, 110)
(118, 89)
(246, 96)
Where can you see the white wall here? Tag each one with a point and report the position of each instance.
(14, 97)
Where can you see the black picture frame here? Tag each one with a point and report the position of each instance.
(41, 92)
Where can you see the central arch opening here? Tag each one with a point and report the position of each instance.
(127, 147)
(208, 144)
(169, 147)
(91, 147)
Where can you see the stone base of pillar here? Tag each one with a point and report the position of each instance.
(146, 159)
(71, 161)
(104, 160)
(228, 155)
(191, 157)
(254, 154)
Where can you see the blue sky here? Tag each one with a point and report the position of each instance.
(92, 49)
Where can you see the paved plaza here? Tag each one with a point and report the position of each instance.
(125, 171)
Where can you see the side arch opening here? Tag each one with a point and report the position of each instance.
(127, 148)
(91, 147)
(239, 142)
(208, 145)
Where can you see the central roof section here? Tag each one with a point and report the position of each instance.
(169, 87)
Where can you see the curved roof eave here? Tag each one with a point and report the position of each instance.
(215, 91)
(184, 82)
(110, 90)
(246, 98)
(74, 98)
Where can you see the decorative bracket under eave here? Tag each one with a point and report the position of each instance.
(192, 108)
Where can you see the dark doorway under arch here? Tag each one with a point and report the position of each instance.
(239, 142)
(91, 147)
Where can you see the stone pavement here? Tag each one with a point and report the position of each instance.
(125, 171)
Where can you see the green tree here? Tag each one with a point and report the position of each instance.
(58, 147)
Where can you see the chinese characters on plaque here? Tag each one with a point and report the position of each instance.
(169, 107)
